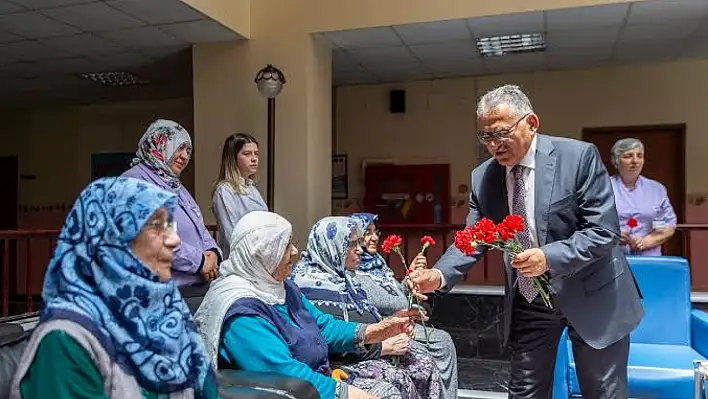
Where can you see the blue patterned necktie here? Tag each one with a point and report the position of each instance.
(518, 207)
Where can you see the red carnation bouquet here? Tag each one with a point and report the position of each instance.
(393, 243)
(502, 237)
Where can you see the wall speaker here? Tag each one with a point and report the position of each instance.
(397, 101)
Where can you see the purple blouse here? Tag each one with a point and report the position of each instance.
(189, 256)
(649, 204)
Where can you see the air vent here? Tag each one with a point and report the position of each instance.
(496, 46)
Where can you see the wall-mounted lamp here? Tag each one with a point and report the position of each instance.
(270, 81)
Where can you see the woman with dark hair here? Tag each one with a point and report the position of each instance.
(235, 193)
(163, 152)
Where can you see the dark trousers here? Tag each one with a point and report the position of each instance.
(534, 335)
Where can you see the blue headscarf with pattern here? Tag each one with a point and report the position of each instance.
(321, 273)
(95, 280)
(374, 265)
(158, 146)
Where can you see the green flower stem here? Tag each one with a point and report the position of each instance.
(412, 299)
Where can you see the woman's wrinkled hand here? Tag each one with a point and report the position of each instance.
(395, 346)
(356, 393)
(624, 237)
(210, 268)
(402, 322)
(639, 244)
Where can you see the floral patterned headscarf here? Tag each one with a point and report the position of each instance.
(95, 280)
(159, 144)
(321, 273)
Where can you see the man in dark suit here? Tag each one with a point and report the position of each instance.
(563, 191)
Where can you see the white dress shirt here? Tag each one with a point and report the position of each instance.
(529, 161)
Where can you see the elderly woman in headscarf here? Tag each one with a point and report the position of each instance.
(163, 153)
(114, 324)
(324, 275)
(388, 295)
(254, 318)
(647, 219)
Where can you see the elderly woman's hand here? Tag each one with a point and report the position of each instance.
(356, 393)
(210, 268)
(395, 346)
(624, 237)
(402, 322)
(639, 244)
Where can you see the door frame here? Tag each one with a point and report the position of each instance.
(680, 128)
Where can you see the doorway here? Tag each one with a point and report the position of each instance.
(665, 152)
(9, 180)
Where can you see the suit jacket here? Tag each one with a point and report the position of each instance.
(578, 231)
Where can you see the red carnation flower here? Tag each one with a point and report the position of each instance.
(427, 241)
(391, 243)
(514, 223)
(465, 242)
(632, 223)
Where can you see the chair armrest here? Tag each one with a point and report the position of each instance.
(274, 385)
(561, 390)
(699, 331)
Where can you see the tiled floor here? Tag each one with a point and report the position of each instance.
(483, 374)
(474, 324)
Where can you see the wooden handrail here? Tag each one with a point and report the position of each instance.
(16, 244)
(212, 228)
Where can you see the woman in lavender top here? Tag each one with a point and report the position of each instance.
(642, 199)
(235, 195)
(163, 153)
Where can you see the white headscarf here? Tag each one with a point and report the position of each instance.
(258, 242)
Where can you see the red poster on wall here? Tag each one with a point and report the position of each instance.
(408, 194)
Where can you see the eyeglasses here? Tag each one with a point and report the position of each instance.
(486, 137)
(163, 227)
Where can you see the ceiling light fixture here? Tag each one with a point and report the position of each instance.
(114, 79)
(496, 46)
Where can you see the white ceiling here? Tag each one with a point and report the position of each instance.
(645, 31)
(44, 44)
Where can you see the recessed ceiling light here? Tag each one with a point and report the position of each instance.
(114, 79)
(511, 44)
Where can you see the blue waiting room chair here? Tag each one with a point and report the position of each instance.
(667, 341)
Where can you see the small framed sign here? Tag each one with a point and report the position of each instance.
(340, 177)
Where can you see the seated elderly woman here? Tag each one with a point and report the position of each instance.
(113, 324)
(388, 295)
(163, 153)
(642, 200)
(324, 275)
(253, 318)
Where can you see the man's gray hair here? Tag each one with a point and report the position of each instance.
(623, 145)
(511, 95)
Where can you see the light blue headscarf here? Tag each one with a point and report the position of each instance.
(321, 273)
(374, 265)
(94, 279)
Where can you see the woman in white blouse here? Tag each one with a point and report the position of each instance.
(235, 193)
